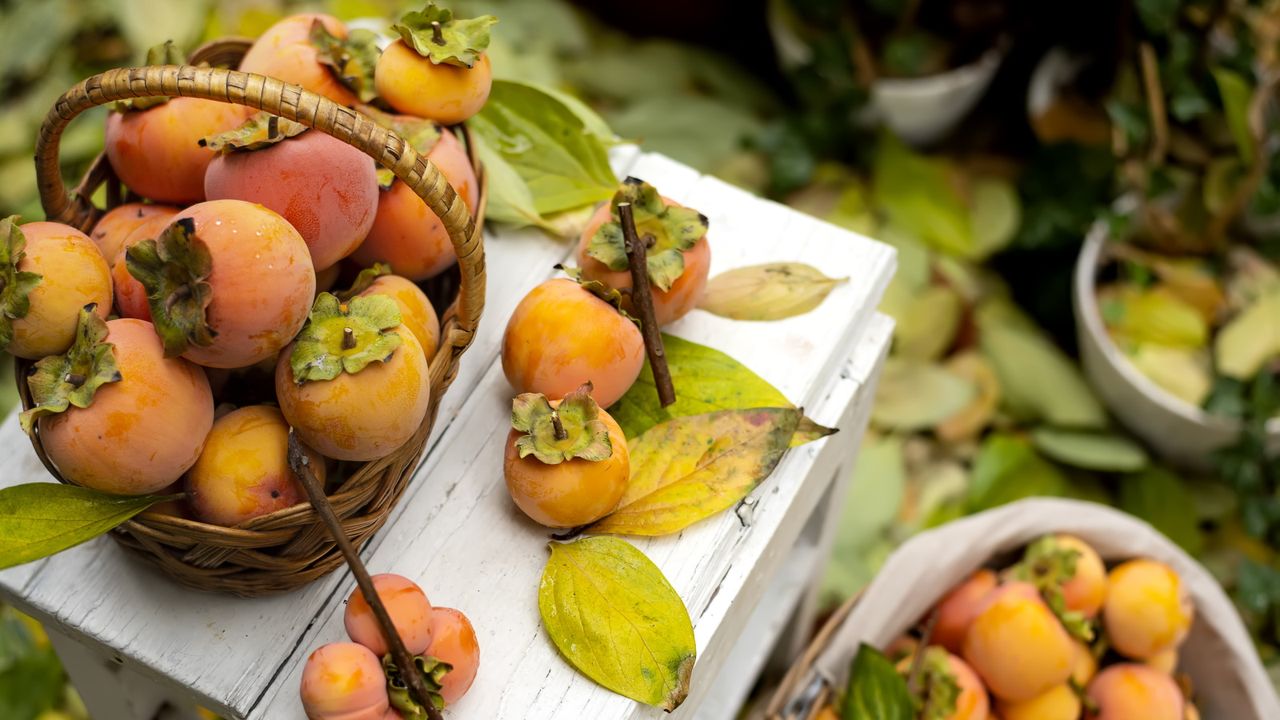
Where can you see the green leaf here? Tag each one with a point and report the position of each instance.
(1160, 497)
(772, 291)
(441, 38)
(555, 435)
(547, 144)
(670, 232)
(915, 395)
(995, 215)
(876, 691)
(688, 469)
(261, 130)
(1037, 380)
(1007, 468)
(1181, 372)
(510, 200)
(1158, 16)
(928, 320)
(146, 23)
(351, 59)
(346, 338)
(175, 269)
(1153, 315)
(1236, 94)
(40, 519)
(31, 685)
(1090, 450)
(705, 380)
(918, 193)
(1250, 339)
(616, 618)
(15, 285)
(59, 382)
(871, 505)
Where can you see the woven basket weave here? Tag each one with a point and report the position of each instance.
(290, 547)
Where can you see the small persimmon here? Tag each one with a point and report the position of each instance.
(438, 68)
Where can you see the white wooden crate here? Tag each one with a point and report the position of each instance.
(458, 534)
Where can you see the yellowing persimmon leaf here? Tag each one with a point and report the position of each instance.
(1252, 338)
(691, 468)
(772, 291)
(616, 618)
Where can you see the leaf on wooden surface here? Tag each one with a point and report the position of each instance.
(771, 291)
(616, 618)
(1159, 497)
(1008, 468)
(915, 395)
(40, 519)
(876, 690)
(691, 468)
(1102, 451)
(705, 379)
(1037, 379)
(808, 431)
(1250, 339)
(562, 161)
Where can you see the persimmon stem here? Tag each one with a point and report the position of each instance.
(642, 302)
(437, 33)
(560, 432)
(348, 338)
(300, 463)
(75, 379)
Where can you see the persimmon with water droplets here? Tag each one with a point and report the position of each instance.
(114, 413)
(566, 460)
(48, 272)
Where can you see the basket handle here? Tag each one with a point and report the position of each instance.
(293, 103)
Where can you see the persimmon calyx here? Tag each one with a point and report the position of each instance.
(262, 130)
(59, 382)
(435, 34)
(432, 671)
(166, 53)
(1048, 566)
(571, 430)
(939, 691)
(609, 294)
(669, 232)
(174, 268)
(350, 59)
(345, 337)
(15, 285)
(364, 281)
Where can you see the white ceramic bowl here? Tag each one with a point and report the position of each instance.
(1180, 432)
(923, 110)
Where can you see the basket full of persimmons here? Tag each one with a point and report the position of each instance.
(286, 247)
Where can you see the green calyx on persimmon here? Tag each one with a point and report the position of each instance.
(261, 130)
(432, 671)
(345, 337)
(1049, 565)
(605, 292)
(573, 429)
(668, 232)
(174, 268)
(166, 53)
(435, 34)
(59, 382)
(939, 688)
(363, 281)
(15, 285)
(351, 59)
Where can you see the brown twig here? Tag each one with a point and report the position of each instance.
(642, 302)
(300, 463)
(1155, 103)
(917, 662)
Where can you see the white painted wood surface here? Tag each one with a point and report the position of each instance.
(457, 532)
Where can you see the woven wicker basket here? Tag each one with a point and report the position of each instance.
(288, 548)
(802, 694)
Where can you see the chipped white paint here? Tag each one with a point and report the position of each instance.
(458, 534)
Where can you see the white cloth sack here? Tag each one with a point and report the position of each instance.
(1229, 680)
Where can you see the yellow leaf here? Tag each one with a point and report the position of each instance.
(691, 468)
(927, 324)
(1154, 315)
(615, 618)
(974, 417)
(1181, 372)
(772, 291)
(1250, 339)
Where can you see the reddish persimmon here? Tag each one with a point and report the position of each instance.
(286, 51)
(112, 228)
(408, 607)
(453, 640)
